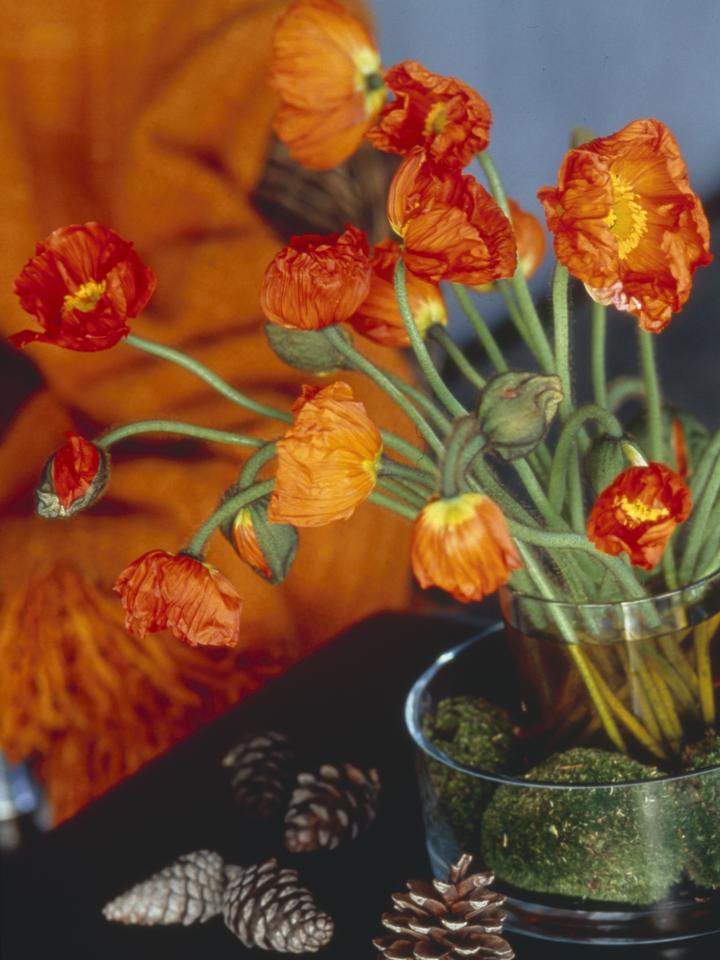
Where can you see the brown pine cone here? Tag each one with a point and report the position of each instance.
(331, 806)
(262, 770)
(265, 907)
(447, 921)
(189, 890)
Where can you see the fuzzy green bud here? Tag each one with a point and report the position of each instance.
(269, 548)
(308, 350)
(515, 411)
(604, 461)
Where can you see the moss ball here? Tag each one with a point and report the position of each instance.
(608, 845)
(479, 734)
(700, 812)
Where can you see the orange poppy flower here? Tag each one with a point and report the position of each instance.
(463, 546)
(82, 286)
(627, 223)
(327, 71)
(162, 591)
(317, 280)
(530, 239)
(327, 461)
(379, 316)
(637, 514)
(451, 227)
(446, 117)
(73, 478)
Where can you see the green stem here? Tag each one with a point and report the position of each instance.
(700, 524)
(481, 328)
(705, 466)
(401, 489)
(563, 450)
(441, 336)
(624, 389)
(200, 370)
(408, 450)
(561, 324)
(256, 461)
(358, 362)
(174, 427)
(648, 367)
(599, 372)
(395, 506)
(225, 512)
(422, 356)
(436, 417)
(452, 472)
(506, 292)
(391, 468)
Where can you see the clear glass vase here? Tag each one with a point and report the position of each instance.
(631, 858)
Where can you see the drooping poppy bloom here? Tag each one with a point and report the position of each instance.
(378, 318)
(327, 461)
(463, 546)
(530, 238)
(164, 591)
(446, 117)
(82, 286)
(317, 280)
(637, 514)
(627, 223)
(327, 71)
(269, 548)
(73, 478)
(451, 227)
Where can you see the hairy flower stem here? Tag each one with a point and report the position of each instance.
(391, 468)
(534, 329)
(700, 523)
(563, 451)
(506, 292)
(226, 511)
(174, 427)
(599, 372)
(256, 462)
(649, 371)
(484, 335)
(393, 505)
(357, 361)
(441, 336)
(465, 433)
(200, 370)
(435, 416)
(403, 491)
(623, 389)
(435, 381)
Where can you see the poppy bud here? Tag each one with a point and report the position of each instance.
(269, 548)
(515, 411)
(605, 460)
(308, 350)
(72, 479)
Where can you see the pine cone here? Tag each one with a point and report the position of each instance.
(265, 907)
(263, 767)
(331, 806)
(189, 890)
(447, 921)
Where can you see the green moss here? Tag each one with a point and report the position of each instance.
(479, 734)
(699, 811)
(613, 845)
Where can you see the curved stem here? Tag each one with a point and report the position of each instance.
(402, 490)
(358, 362)
(699, 529)
(409, 451)
(623, 389)
(256, 461)
(391, 468)
(200, 370)
(420, 350)
(481, 328)
(652, 393)
(452, 474)
(394, 505)
(599, 335)
(174, 427)
(433, 413)
(440, 335)
(225, 512)
(558, 472)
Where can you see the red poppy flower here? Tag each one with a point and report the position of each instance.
(327, 71)
(82, 286)
(317, 280)
(627, 223)
(328, 459)
(451, 227)
(379, 316)
(446, 117)
(530, 238)
(73, 478)
(162, 591)
(637, 514)
(463, 545)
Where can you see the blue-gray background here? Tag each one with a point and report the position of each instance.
(546, 67)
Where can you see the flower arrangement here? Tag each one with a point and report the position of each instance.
(562, 501)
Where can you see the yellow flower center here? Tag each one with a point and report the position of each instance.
(435, 120)
(451, 513)
(85, 297)
(627, 218)
(637, 512)
(372, 466)
(368, 79)
(428, 313)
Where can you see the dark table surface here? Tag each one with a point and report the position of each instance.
(345, 702)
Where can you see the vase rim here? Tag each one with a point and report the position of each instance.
(666, 595)
(412, 711)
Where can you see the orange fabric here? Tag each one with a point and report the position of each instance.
(152, 118)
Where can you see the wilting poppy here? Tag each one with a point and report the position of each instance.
(627, 223)
(328, 459)
(463, 546)
(82, 286)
